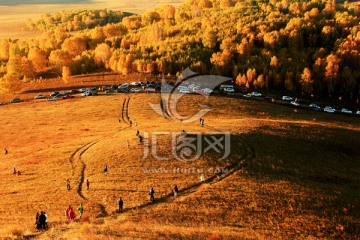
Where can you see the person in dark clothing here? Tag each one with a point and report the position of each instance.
(42, 220)
(37, 223)
(151, 193)
(176, 190)
(137, 132)
(105, 169)
(121, 204)
(5, 151)
(140, 139)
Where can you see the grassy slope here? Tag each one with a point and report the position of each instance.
(12, 17)
(299, 177)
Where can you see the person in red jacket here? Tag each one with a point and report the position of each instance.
(71, 214)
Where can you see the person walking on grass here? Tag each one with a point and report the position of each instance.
(14, 170)
(81, 210)
(176, 190)
(105, 169)
(140, 139)
(87, 184)
(46, 220)
(71, 214)
(152, 193)
(42, 220)
(67, 184)
(5, 151)
(121, 204)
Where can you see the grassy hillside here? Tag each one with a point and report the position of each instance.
(290, 174)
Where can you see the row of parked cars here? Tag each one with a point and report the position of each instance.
(297, 103)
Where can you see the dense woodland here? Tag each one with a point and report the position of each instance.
(308, 47)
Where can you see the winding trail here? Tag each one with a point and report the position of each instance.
(77, 156)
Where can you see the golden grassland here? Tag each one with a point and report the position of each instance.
(291, 174)
(13, 16)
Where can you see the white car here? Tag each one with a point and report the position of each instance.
(40, 96)
(229, 90)
(255, 94)
(357, 112)
(287, 98)
(314, 106)
(345, 110)
(135, 84)
(184, 91)
(207, 90)
(295, 103)
(329, 109)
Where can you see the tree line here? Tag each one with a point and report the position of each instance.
(309, 47)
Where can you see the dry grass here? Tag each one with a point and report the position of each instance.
(299, 177)
(12, 15)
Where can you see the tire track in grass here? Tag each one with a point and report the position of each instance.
(78, 153)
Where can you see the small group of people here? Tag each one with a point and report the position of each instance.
(152, 193)
(16, 172)
(41, 221)
(70, 213)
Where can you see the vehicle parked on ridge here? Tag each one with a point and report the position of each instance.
(135, 90)
(295, 103)
(40, 96)
(255, 94)
(329, 109)
(54, 94)
(315, 107)
(345, 110)
(287, 98)
(15, 100)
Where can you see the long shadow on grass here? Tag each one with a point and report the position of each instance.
(324, 162)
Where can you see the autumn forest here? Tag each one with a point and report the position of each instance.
(305, 47)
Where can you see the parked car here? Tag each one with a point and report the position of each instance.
(135, 90)
(270, 98)
(122, 90)
(82, 90)
(1, 103)
(54, 94)
(184, 91)
(357, 112)
(315, 107)
(74, 91)
(208, 90)
(110, 90)
(15, 100)
(287, 98)
(40, 96)
(329, 109)
(134, 84)
(294, 103)
(229, 90)
(51, 99)
(345, 110)
(255, 94)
